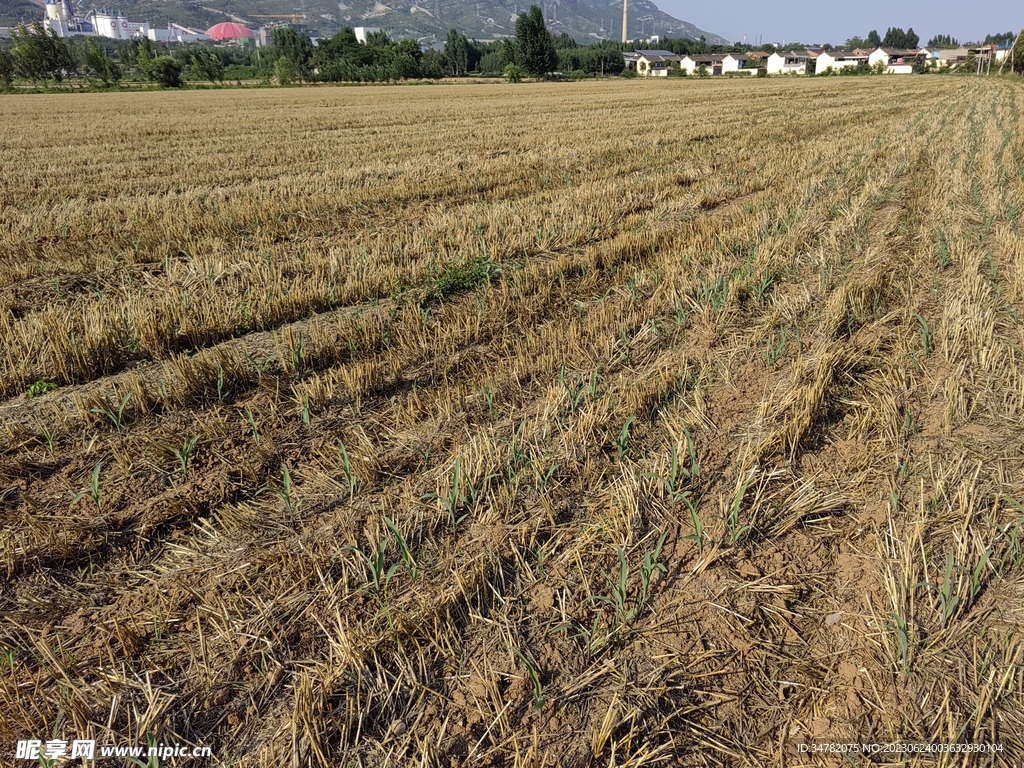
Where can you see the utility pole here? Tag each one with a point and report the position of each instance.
(625, 18)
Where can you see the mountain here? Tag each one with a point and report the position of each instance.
(584, 20)
(425, 20)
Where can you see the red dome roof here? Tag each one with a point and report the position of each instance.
(228, 30)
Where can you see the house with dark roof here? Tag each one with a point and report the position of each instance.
(837, 60)
(897, 61)
(740, 63)
(789, 62)
(651, 63)
(711, 62)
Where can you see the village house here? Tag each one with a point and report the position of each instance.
(712, 62)
(952, 56)
(837, 60)
(649, 63)
(789, 62)
(740, 63)
(898, 61)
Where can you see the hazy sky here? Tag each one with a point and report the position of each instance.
(833, 21)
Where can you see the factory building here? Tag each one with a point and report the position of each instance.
(230, 32)
(65, 21)
(62, 19)
(115, 25)
(176, 33)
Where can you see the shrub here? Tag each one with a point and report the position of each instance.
(514, 73)
(240, 72)
(40, 387)
(165, 71)
(284, 71)
(462, 277)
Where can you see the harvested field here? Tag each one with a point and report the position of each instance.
(598, 424)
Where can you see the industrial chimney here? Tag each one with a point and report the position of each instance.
(625, 18)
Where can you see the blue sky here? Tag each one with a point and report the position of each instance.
(833, 22)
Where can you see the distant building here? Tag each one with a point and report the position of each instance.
(740, 63)
(650, 63)
(953, 56)
(63, 19)
(712, 62)
(115, 25)
(789, 62)
(837, 60)
(175, 33)
(898, 61)
(230, 32)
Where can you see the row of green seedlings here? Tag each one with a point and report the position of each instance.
(118, 414)
(621, 606)
(962, 584)
(679, 482)
(461, 497)
(624, 605)
(182, 453)
(960, 589)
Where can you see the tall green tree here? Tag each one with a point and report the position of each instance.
(101, 65)
(6, 70)
(943, 41)
(456, 53)
(39, 54)
(297, 47)
(895, 37)
(873, 40)
(165, 71)
(284, 70)
(207, 65)
(1017, 54)
(535, 50)
(433, 64)
(1001, 38)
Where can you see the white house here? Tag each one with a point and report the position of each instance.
(836, 60)
(656, 63)
(788, 63)
(898, 61)
(740, 63)
(712, 62)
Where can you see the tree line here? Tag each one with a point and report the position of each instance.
(40, 56)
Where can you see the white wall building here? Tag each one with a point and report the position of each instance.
(175, 33)
(115, 25)
(837, 60)
(712, 62)
(740, 63)
(656, 63)
(898, 61)
(788, 63)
